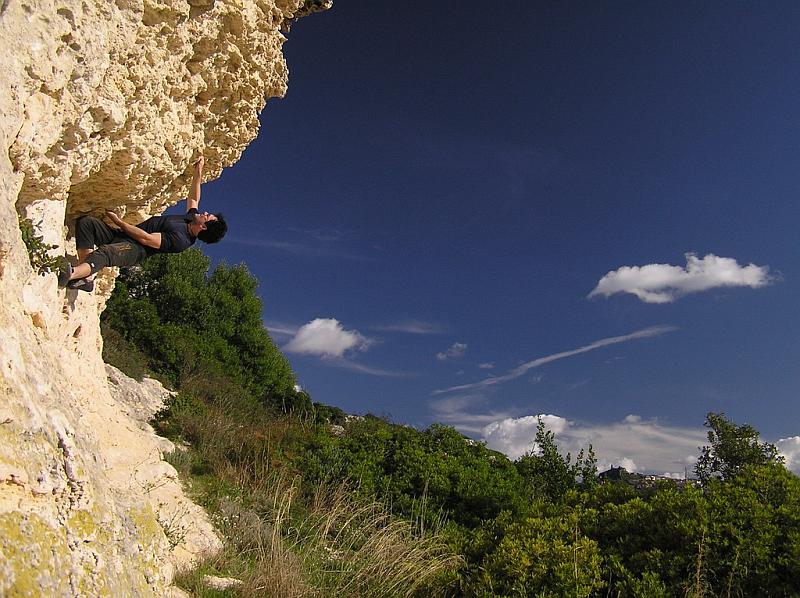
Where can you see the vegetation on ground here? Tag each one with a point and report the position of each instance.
(369, 508)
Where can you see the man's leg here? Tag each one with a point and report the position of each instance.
(89, 232)
(123, 254)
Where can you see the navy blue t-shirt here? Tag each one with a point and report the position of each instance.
(175, 236)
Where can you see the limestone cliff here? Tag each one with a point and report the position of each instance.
(103, 104)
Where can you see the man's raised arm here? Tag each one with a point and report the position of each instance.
(193, 199)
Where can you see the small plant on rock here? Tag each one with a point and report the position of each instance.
(41, 261)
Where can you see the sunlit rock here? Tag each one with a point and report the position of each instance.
(104, 105)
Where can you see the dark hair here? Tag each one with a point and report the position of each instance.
(215, 230)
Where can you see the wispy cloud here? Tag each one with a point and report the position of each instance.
(525, 367)
(324, 235)
(636, 444)
(454, 351)
(281, 329)
(326, 337)
(486, 366)
(303, 249)
(459, 411)
(364, 369)
(663, 283)
(410, 327)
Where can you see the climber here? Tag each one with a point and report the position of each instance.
(129, 245)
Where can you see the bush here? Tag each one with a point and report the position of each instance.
(546, 555)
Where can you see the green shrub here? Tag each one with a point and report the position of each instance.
(547, 555)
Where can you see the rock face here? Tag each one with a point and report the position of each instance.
(103, 104)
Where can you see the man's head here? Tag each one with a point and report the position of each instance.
(209, 228)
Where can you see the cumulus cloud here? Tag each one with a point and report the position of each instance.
(514, 436)
(455, 351)
(663, 283)
(790, 449)
(326, 337)
(635, 444)
(522, 369)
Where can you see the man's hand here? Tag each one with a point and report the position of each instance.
(114, 218)
(198, 166)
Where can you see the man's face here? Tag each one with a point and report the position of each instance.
(203, 218)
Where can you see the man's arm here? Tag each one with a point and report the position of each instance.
(137, 234)
(193, 199)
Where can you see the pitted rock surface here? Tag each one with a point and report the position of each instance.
(104, 105)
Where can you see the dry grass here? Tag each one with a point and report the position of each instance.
(336, 546)
(282, 544)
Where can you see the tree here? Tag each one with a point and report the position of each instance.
(187, 321)
(731, 448)
(550, 475)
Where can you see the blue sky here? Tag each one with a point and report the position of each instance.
(439, 193)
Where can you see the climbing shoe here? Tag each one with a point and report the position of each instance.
(81, 284)
(63, 276)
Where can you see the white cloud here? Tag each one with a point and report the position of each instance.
(634, 443)
(486, 366)
(790, 449)
(522, 369)
(663, 283)
(455, 351)
(326, 337)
